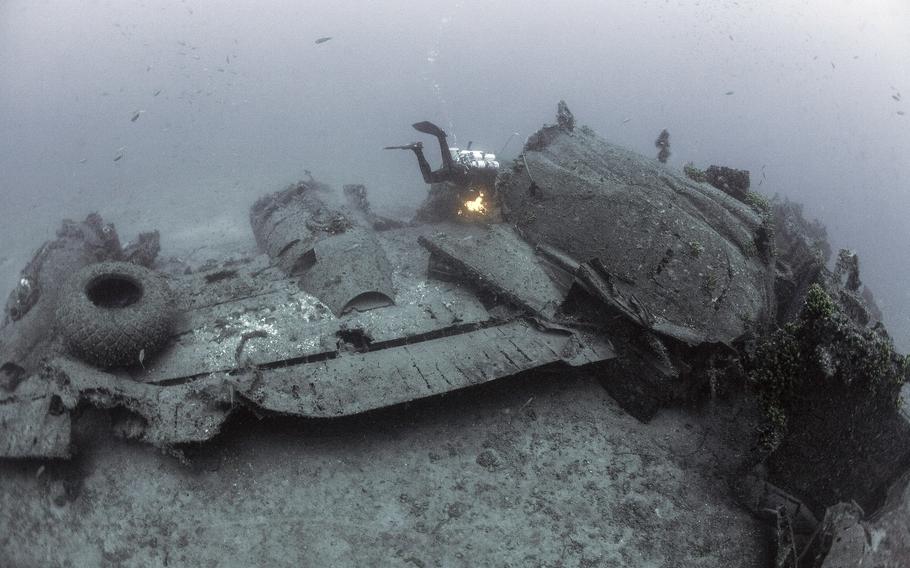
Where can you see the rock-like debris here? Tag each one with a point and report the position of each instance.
(849, 538)
(801, 253)
(847, 270)
(144, 251)
(729, 180)
(694, 173)
(663, 145)
(828, 376)
(564, 117)
(830, 389)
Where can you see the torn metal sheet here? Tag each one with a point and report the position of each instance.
(617, 295)
(494, 258)
(355, 377)
(347, 384)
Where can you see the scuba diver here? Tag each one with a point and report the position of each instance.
(464, 168)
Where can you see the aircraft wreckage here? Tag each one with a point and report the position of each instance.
(359, 329)
(346, 311)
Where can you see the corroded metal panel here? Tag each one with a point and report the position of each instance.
(357, 382)
(494, 258)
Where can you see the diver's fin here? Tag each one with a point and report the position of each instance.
(429, 128)
(414, 146)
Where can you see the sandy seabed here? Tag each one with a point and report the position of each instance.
(530, 471)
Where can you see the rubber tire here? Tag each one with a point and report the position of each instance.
(115, 336)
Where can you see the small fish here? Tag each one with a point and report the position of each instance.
(896, 97)
(731, 37)
(625, 121)
(135, 116)
(156, 93)
(323, 39)
(900, 113)
(728, 93)
(227, 59)
(83, 160)
(118, 157)
(833, 66)
(142, 358)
